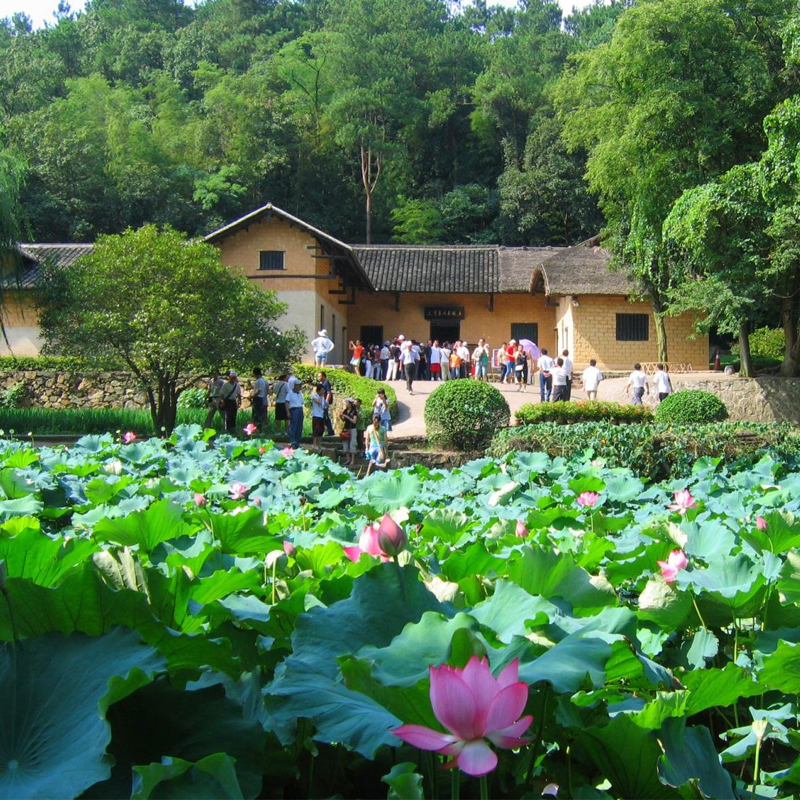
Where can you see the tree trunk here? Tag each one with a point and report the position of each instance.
(746, 369)
(661, 336)
(790, 313)
(368, 208)
(164, 407)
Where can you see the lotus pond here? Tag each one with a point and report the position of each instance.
(182, 620)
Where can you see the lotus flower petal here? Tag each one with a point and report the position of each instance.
(476, 758)
(761, 523)
(509, 738)
(424, 738)
(521, 529)
(368, 541)
(506, 707)
(391, 537)
(353, 553)
(509, 675)
(482, 684)
(454, 703)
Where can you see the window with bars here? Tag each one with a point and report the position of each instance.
(525, 330)
(271, 259)
(633, 327)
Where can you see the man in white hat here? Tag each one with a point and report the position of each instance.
(321, 346)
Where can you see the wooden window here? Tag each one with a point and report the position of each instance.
(525, 330)
(633, 327)
(271, 259)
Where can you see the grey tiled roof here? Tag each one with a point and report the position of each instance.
(582, 269)
(422, 268)
(517, 265)
(33, 255)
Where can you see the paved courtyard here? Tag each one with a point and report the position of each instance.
(411, 416)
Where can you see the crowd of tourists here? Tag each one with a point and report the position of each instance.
(519, 363)
(363, 432)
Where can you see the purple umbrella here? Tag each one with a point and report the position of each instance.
(530, 348)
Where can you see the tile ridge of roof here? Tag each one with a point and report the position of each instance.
(392, 246)
(55, 244)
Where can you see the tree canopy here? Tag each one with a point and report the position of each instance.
(164, 307)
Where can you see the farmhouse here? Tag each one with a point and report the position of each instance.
(557, 297)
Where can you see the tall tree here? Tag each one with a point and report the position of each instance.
(163, 306)
(673, 100)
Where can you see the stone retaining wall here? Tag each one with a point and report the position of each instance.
(767, 398)
(44, 389)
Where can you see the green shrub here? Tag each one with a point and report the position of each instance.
(573, 411)
(691, 406)
(13, 396)
(346, 384)
(656, 451)
(465, 414)
(53, 364)
(766, 344)
(193, 398)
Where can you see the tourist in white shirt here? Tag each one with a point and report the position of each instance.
(480, 359)
(445, 361)
(409, 355)
(463, 354)
(568, 368)
(559, 375)
(544, 364)
(436, 361)
(661, 382)
(385, 355)
(590, 378)
(321, 346)
(639, 384)
(294, 409)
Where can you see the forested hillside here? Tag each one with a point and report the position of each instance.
(437, 118)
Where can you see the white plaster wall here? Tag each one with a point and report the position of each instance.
(304, 312)
(24, 341)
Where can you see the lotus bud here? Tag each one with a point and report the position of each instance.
(761, 523)
(521, 530)
(199, 500)
(289, 548)
(391, 537)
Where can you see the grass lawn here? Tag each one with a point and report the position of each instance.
(79, 421)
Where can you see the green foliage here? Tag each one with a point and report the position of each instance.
(201, 671)
(659, 451)
(766, 345)
(13, 396)
(465, 414)
(143, 298)
(575, 411)
(691, 406)
(53, 364)
(417, 222)
(193, 398)
(77, 421)
(347, 384)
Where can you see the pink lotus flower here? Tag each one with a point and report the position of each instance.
(289, 548)
(256, 501)
(287, 452)
(683, 502)
(262, 450)
(383, 542)
(250, 428)
(521, 530)
(474, 706)
(238, 490)
(587, 499)
(199, 499)
(676, 561)
(761, 523)
(128, 437)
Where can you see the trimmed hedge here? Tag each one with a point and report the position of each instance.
(464, 415)
(53, 364)
(585, 411)
(691, 406)
(656, 451)
(346, 384)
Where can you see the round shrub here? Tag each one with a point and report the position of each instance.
(465, 414)
(691, 406)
